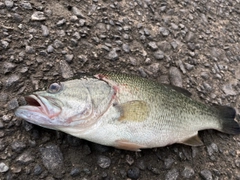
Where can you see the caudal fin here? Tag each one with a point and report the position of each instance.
(227, 115)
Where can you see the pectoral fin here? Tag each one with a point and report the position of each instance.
(193, 141)
(133, 111)
(127, 145)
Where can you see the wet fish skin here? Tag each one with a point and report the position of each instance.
(127, 112)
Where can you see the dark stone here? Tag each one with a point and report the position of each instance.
(133, 173)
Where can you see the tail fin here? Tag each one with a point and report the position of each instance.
(227, 115)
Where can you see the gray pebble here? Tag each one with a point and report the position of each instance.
(191, 46)
(154, 68)
(206, 174)
(168, 163)
(18, 146)
(61, 22)
(52, 158)
(172, 174)
(204, 75)
(164, 46)
(164, 31)
(189, 66)
(69, 57)
(45, 31)
(76, 35)
(3, 167)
(175, 76)
(73, 141)
(50, 49)
(207, 87)
(8, 4)
(75, 172)
(112, 55)
(25, 158)
(73, 18)
(29, 50)
(159, 55)
(37, 170)
(174, 26)
(228, 89)
(7, 67)
(103, 161)
(26, 5)
(154, 170)
(58, 44)
(12, 104)
(5, 44)
(153, 46)
(38, 16)
(133, 173)
(66, 70)
(77, 12)
(174, 44)
(126, 48)
(133, 61)
(6, 118)
(190, 36)
(188, 172)
(212, 148)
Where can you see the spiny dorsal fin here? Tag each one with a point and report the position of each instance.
(193, 141)
(136, 110)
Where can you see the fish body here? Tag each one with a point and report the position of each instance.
(126, 112)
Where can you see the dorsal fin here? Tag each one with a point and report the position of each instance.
(178, 89)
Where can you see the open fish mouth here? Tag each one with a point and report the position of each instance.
(45, 105)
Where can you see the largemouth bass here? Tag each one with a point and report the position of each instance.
(126, 112)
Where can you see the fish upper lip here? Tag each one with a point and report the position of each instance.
(38, 102)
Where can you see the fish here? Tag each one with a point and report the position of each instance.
(126, 111)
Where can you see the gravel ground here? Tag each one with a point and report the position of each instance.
(193, 44)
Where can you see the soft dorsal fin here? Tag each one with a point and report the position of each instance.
(193, 141)
(178, 89)
(136, 110)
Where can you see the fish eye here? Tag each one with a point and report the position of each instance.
(54, 88)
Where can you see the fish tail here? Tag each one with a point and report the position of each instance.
(227, 116)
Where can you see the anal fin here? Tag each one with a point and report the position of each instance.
(193, 141)
(127, 145)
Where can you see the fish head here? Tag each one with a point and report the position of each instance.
(71, 104)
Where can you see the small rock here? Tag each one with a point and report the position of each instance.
(168, 163)
(112, 55)
(66, 70)
(154, 68)
(189, 66)
(26, 5)
(18, 146)
(52, 158)
(204, 75)
(5, 44)
(12, 104)
(103, 162)
(172, 175)
(25, 158)
(9, 4)
(38, 16)
(69, 57)
(7, 67)
(206, 174)
(50, 49)
(133, 173)
(1, 125)
(73, 141)
(126, 48)
(77, 12)
(30, 50)
(164, 46)
(37, 170)
(212, 148)
(154, 170)
(159, 55)
(175, 76)
(207, 87)
(129, 160)
(164, 31)
(76, 35)
(228, 89)
(61, 22)
(153, 46)
(3, 167)
(45, 31)
(58, 44)
(188, 172)
(191, 46)
(174, 44)
(75, 172)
